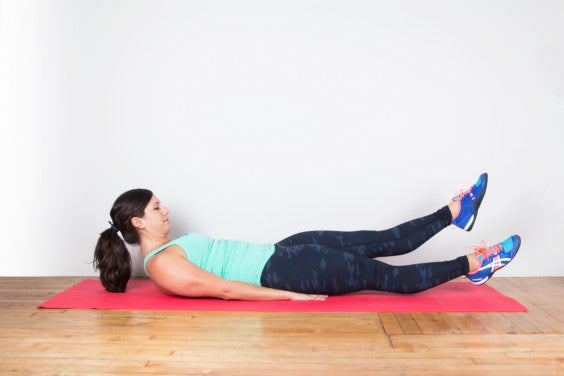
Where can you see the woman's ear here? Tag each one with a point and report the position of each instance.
(137, 223)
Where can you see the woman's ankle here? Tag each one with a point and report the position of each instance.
(474, 263)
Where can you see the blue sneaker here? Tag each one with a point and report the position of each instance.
(470, 200)
(494, 258)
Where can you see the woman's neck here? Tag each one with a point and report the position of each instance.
(148, 244)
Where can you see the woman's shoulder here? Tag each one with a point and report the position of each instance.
(183, 242)
(173, 249)
(163, 253)
(174, 245)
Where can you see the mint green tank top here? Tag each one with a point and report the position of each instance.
(229, 259)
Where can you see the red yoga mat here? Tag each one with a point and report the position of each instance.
(143, 295)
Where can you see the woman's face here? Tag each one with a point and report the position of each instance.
(155, 218)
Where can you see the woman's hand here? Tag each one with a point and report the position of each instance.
(297, 296)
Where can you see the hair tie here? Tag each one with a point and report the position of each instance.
(113, 227)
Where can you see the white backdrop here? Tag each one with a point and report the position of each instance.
(257, 119)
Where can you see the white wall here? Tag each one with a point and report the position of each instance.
(257, 119)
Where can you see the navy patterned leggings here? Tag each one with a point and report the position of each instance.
(333, 262)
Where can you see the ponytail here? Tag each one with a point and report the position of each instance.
(113, 260)
(111, 257)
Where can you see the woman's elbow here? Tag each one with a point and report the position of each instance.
(227, 293)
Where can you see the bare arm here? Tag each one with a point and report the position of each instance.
(174, 274)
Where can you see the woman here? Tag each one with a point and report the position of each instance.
(305, 266)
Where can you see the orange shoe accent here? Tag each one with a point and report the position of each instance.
(483, 252)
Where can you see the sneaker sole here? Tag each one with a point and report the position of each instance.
(476, 204)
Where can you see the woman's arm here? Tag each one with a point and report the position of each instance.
(174, 274)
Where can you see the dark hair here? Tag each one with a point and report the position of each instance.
(111, 256)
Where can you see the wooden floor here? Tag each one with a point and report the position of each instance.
(90, 342)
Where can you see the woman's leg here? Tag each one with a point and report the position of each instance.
(461, 211)
(316, 269)
(398, 240)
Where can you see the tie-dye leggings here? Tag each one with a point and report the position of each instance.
(333, 262)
